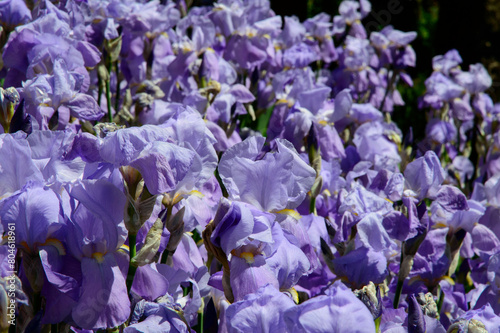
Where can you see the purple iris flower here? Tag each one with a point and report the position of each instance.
(440, 131)
(48, 152)
(484, 241)
(388, 184)
(14, 13)
(33, 50)
(476, 80)
(299, 55)
(376, 142)
(97, 233)
(372, 234)
(351, 14)
(293, 31)
(457, 219)
(288, 262)
(158, 317)
(393, 320)
(47, 94)
(245, 173)
(36, 214)
(424, 176)
(447, 63)
(230, 97)
(249, 272)
(361, 113)
(13, 177)
(360, 267)
(320, 27)
(315, 113)
(141, 148)
(337, 311)
(238, 224)
(263, 310)
(249, 49)
(179, 155)
(431, 262)
(483, 317)
(361, 202)
(440, 89)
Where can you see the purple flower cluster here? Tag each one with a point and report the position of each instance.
(221, 168)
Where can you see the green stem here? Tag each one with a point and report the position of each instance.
(37, 302)
(221, 184)
(312, 205)
(310, 8)
(108, 91)
(117, 97)
(200, 321)
(391, 82)
(165, 254)
(99, 89)
(164, 257)
(377, 324)
(131, 268)
(474, 156)
(399, 288)
(440, 301)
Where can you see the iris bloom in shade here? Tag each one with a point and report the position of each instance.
(476, 80)
(97, 231)
(424, 176)
(262, 311)
(447, 62)
(351, 13)
(339, 311)
(277, 180)
(440, 131)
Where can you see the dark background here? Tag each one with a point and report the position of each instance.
(471, 27)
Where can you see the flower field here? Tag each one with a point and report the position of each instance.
(170, 167)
